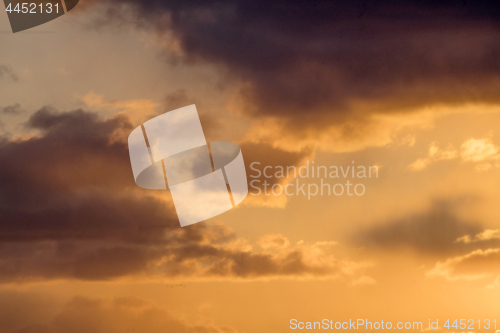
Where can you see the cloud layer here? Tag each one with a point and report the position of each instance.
(70, 209)
(325, 60)
(117, 315)
(434, 232)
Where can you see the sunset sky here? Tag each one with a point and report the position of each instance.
(411, 87)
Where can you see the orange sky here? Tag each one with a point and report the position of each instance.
(85, 250)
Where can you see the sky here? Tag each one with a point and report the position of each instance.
(409, 88)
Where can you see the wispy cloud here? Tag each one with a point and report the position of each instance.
(482, 152)
(8, 72)
(475, 265)
(483, 236)
(435, 154)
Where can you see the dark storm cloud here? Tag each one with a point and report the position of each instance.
(434, 232)
(69, 208)
(70, 182)
(309, 61)
(8, 72)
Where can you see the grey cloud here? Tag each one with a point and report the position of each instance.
(433, 232)
(8, 72)
(12, 109)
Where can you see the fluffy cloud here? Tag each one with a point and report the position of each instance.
(477, 150)
(483, 152)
